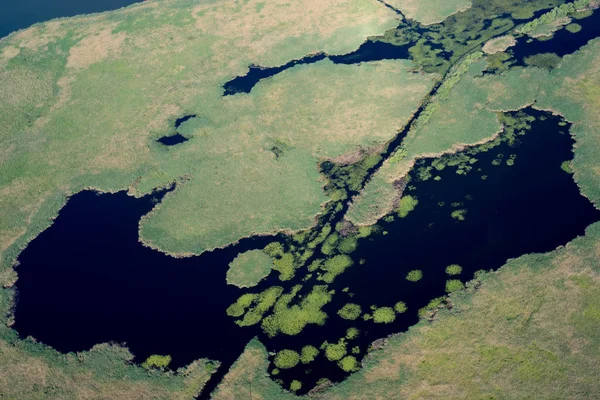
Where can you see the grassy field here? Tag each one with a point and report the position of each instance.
(429, 12)
(529, 330)
(83, 99)
(569, 90)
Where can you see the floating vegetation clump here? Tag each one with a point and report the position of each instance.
(350, 311)
(253, 306)
(286, 359)
(308, 354)
(334, 267)
(291, 319)
(454, 269)
(335, 351)
(384, 315)
(249, 268)
(352, 333)
(400, 307)
(459, 215)
(406, 205)
(414, 275)
(348, 363)
(295, 385)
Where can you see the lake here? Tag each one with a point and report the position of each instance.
(20, 14)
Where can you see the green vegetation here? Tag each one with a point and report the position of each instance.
(350, 311)
(348, 364)
(509, 339)
(335, 266)
(295, 385)
(566, 166)
(286, 359)
(573, 28)
(400, 307)
(414, 275)
(557, 13)
(31, 370)
(406, 205)
(291, 319)
(335, 351)
(453, 269)
(384, 315)
(249, 268)
(454, 285)
(157, 361)
(499, 44)
(308, 354)
(352, 333)
(543, 60)
(459, 215)
(254, 306)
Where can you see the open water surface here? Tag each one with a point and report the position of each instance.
(87, 279)
(20, 14)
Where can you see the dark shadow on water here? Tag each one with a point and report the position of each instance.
(87, 279)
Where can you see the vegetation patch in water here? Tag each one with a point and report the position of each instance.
(157, 361)
(350, 311)
(453, 269)
(285, 359)
(249, 268)
(308, 354)
(384, 315)
(414, 275)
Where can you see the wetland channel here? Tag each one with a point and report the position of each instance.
(88, 280)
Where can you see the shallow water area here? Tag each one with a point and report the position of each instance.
(20, 14)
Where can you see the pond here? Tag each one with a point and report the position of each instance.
(20, 14)
(87, 279)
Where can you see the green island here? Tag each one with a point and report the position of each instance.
(313, 158)
(249, 268)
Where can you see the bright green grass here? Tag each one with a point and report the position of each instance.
(249, 268)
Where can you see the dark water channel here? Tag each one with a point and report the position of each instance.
(368, 51)
(87, 279)
(562, 43)
(20, 14)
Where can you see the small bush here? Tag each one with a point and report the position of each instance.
(400, 307)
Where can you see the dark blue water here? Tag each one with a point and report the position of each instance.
(20, 14)
(562, 43)
(87, 279)
(368, 51)
(172, 140)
